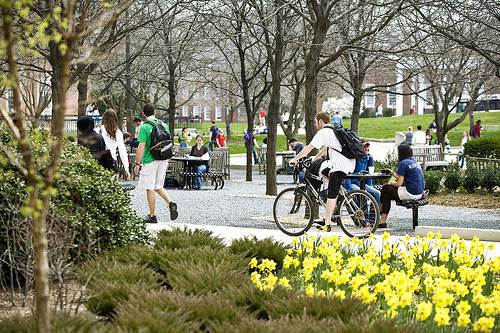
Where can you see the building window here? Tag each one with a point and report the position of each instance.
(391, 97)
(196, 111)
(10, 99)
(428, 98)
(369, 99)
(207, 112)
(185, 111)
(218, 113)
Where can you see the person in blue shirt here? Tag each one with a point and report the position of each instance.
(337, 119)
(362, 164)
(410, 183)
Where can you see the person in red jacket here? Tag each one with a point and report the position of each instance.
(476, 130)
(221, 139)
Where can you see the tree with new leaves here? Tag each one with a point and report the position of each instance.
(40, 179)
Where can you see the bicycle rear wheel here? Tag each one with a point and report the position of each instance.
(293, 211)
(359, 214)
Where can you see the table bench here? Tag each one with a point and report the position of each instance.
(217, 178)
(413, 204)
(429, 156)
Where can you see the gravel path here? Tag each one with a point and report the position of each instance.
(244, 204)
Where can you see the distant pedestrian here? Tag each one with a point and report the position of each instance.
(408, 138)
(250, 140)
(419, 136)
(183, 138)
(262, 117)
(152, 174)
(337, 119)
(200, 151)
(379, 114)
(138, 122)
(476, 130)
(113, 138)
(221, 139)
(432, 126)
(285, 116)
(428, 137)
(465, 139)
(214, 131)
(295, 145)
(412, 110)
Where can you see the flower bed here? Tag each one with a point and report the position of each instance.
(444, 284)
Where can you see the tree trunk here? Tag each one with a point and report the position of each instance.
(356, 110)
(82, 94)
(172, 100)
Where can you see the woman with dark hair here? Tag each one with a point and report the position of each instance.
(113, 138)
(200, 151)
(183, 138)
(410, 183)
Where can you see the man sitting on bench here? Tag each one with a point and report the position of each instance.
(410, 183)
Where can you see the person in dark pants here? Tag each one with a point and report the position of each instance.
(410, 183)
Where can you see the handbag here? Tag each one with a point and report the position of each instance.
(108, 162)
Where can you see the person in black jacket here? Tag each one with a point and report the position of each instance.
(89, 138)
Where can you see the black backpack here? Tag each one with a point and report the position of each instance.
(161, 144)
(314, 170)
(352, 145)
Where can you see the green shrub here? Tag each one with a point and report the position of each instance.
(111, 282)
(387, 112)
(453, 178)
(390, 162)
(432, 180)
(150, 312)
(260, 249)
(89, 212)
(483, 147)
(178, 238)
(60, 322)
(471, 179)
(202, 277)
(490, 177)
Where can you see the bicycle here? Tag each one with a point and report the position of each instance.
(295, 209)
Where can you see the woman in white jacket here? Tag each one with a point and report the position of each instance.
(113, 138)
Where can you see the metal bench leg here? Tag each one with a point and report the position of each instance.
(415, 216)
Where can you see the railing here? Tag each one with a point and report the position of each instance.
(481, 163)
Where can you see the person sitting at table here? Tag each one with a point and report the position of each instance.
(362, 164)
(200, 151)
(410, 183)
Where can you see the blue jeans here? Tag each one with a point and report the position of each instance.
(184, 145)
(255, 159)
(375, 193)
(198, 181)
(212, 144)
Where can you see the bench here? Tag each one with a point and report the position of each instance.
(261, 155)
(217, 178)
(413, 204)
(429, 156)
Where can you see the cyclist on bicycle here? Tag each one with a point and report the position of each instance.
(339, 165)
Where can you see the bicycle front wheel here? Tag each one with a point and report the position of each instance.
(293, 211)
(359, 214)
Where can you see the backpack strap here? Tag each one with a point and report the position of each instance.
(152, 124)
(333, 129)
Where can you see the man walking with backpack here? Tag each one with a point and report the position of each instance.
(214, 132)
(339, 165)
(152, 173)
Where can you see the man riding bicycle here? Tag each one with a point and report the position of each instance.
(339, 165)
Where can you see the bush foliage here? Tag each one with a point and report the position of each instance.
(432, 180)
(89, 212)
(453, 178)
(471, 179)
(483, 147)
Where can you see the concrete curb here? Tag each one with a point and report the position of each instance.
(486, 235)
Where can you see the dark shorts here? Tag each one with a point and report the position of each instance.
(336, 179)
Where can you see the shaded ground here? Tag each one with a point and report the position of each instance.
(467, 200)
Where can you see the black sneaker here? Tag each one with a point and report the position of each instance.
(150, 219)
(173, 211)
(325, 228)
(319, 224)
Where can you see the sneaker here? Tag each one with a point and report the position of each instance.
(150, 219)
(319, 224)
(173, 211)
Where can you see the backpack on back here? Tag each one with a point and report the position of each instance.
(351, 143)
(161, 144)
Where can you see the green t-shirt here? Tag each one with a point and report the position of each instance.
(183, 137)
(145, 136)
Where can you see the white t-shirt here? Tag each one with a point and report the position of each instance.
(338, 162)
(419, 138)
(112, 145)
